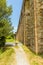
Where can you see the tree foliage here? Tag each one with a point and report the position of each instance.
(5, 21)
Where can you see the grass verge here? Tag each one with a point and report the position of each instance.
(5, 56)
(10, 40)
(32, 57)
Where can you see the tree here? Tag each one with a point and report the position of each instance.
(5, 21)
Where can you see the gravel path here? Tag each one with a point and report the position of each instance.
(21, 57)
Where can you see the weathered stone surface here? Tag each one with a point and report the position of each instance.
(30, 28)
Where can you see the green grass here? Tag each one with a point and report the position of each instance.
(32, 57)
(5, 56)
(10, 40)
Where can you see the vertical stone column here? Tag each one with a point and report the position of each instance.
(26, 21)
(35, 26)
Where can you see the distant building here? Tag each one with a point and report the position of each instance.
(30, 28)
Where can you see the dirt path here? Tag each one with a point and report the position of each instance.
(18, 57)
(21, 57)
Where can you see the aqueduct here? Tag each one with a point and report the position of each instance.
(30, 28)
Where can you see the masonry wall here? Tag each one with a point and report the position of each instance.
(20, 31)
(40, 25)
(30, 28)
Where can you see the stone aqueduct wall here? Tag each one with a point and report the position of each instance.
(30, 28)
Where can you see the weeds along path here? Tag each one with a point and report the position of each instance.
(6, 56)
(14, 56)
(12, 59)
(18, 57)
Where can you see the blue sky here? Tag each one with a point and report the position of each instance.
(16, 6)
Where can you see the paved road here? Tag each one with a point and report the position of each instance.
(10, 44)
